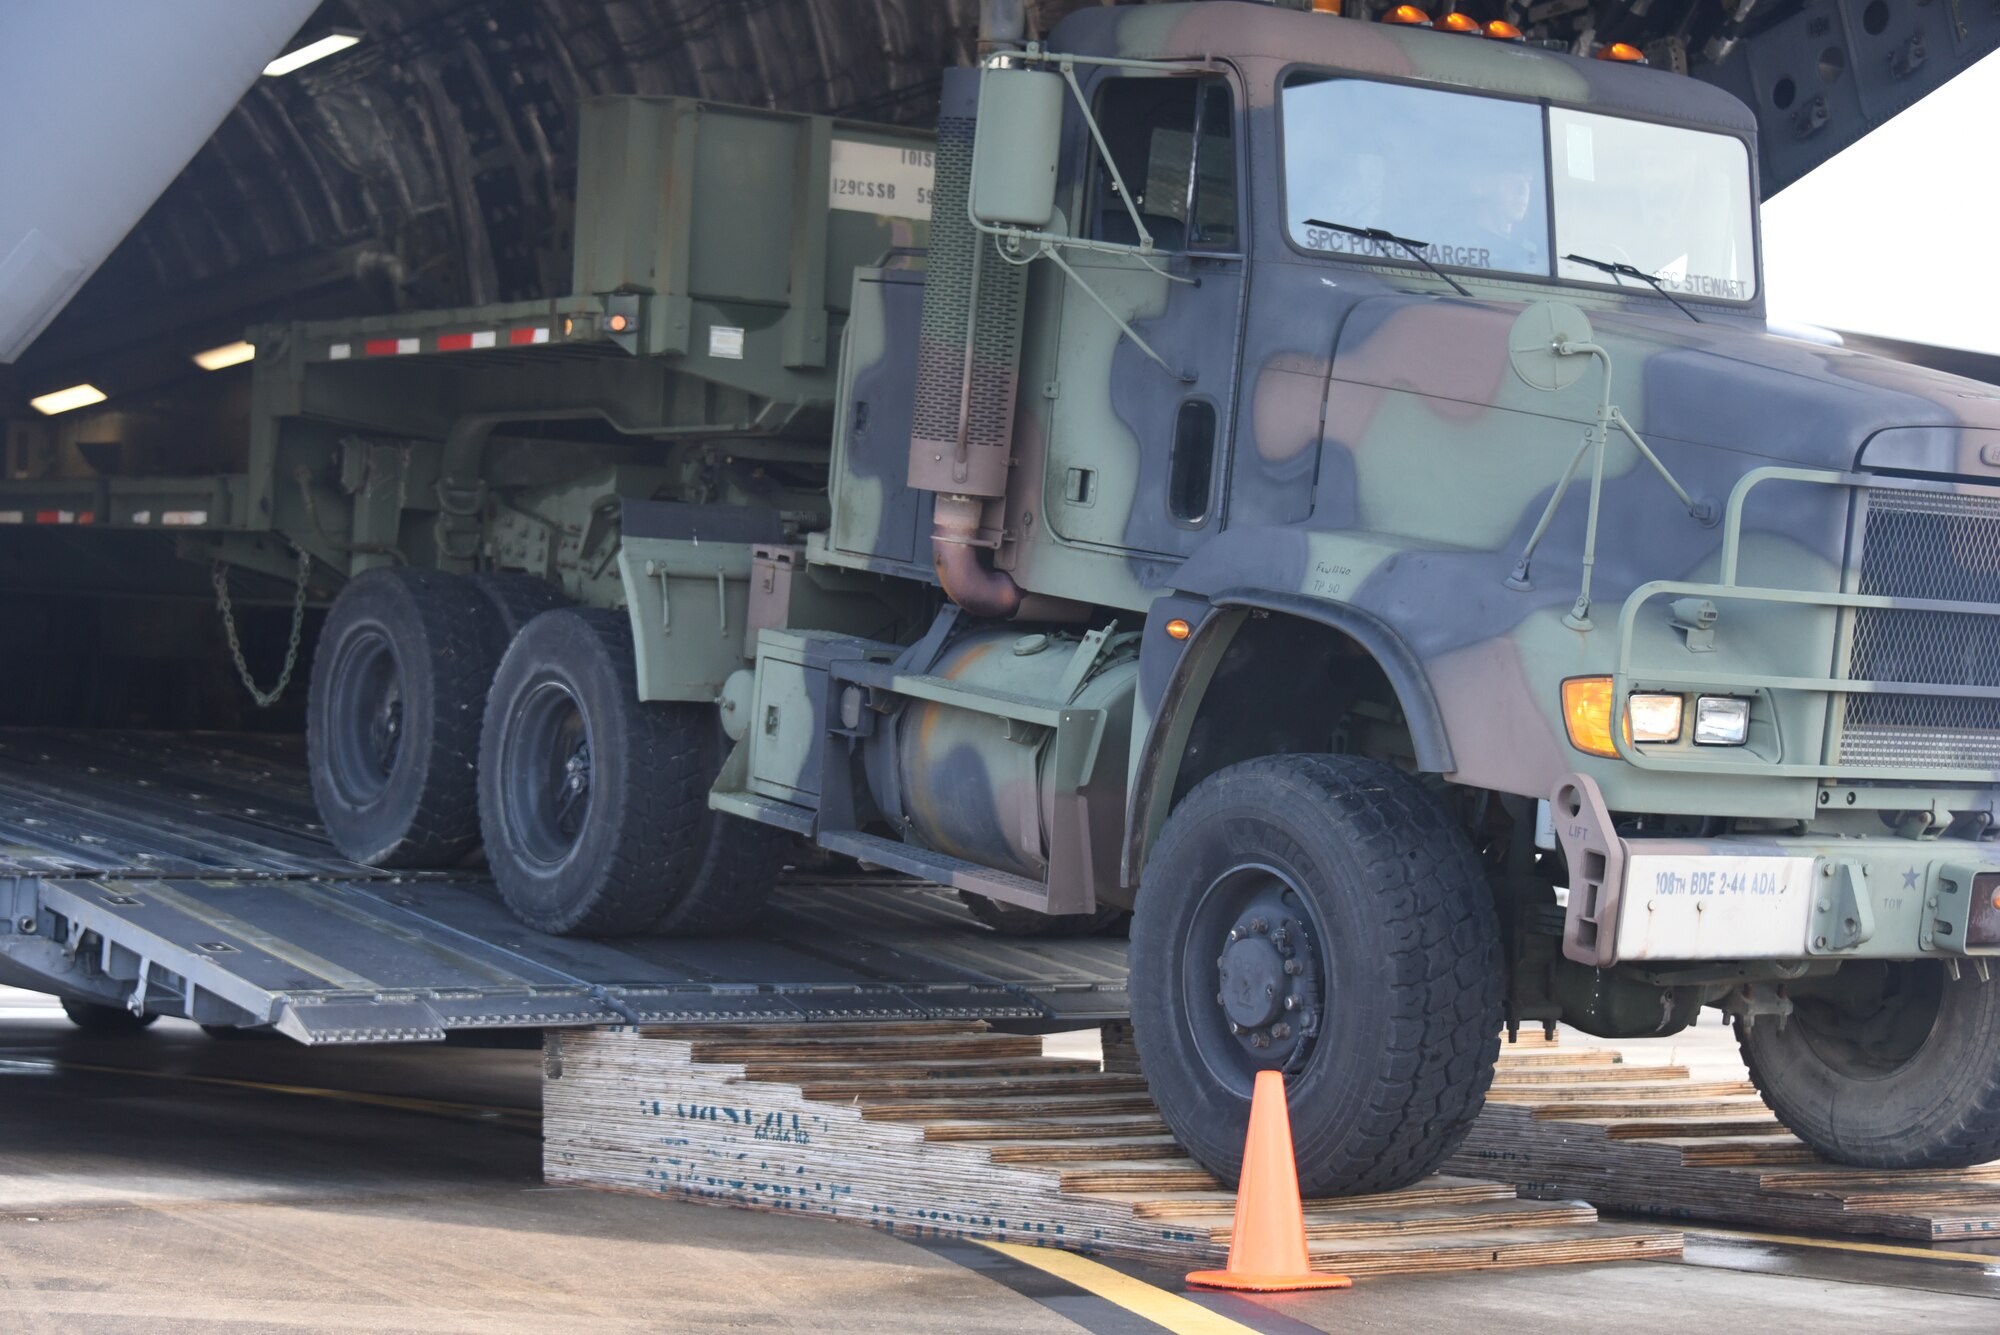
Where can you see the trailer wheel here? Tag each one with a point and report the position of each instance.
(1899, 1068)
(1320, 915)
(518, 598)
(392, 718)
(1013, 920)
(595, 804)
(97, 1018)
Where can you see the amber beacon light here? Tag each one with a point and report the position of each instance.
(1624, 52)
(1407, 14)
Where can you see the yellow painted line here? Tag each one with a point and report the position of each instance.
(1168, 1310)
(403, 1103)
(1842, 1245)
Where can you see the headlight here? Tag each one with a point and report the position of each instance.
(1654, 718)
(1721, 720)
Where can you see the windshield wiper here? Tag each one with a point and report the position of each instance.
(1634, 271)
(1416, 248)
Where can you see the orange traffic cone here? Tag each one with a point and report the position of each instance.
(1267, 1250)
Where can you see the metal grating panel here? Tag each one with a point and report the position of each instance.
(971, 296)
(1933, 545)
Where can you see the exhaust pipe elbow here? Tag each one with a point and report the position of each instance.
(963, 575)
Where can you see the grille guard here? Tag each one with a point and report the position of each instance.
(1630, 674)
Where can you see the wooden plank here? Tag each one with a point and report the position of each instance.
(956, 1131)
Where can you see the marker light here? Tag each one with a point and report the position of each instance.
(1406, 14)
(229, 354)
(1178, 629)
(1500, 30)
(331, 44)
(1456, 23)
(1587, 715)
(1721, 720)
(1327, 7)
(1654, 718)
(65, 400)
(1622, 51)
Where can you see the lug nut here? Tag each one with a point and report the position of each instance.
(1281, 1031)
(1235, 1028)
(1294, 968)
(1291, 1003)
(1236, 934)
(1259, 926)
(1259, 1041)
(1219, 1001)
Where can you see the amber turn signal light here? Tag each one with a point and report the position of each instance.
(1500, 30)
(1464, 23)
(1587, 715)
(1409, 14)
(1622, 51)
(1178, 629)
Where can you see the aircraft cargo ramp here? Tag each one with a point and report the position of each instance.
(192, 866)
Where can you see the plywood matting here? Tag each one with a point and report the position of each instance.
(1653, 1140)
(945, 1129)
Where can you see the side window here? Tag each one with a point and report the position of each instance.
(1174, 141)
(1191, 474)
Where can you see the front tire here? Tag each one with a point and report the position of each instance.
(595, 804)
(1899, 1068)
(1321, 915)
(392, 716)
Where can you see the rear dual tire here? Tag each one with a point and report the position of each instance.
(594, 803)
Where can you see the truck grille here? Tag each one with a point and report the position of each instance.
(1933, 545)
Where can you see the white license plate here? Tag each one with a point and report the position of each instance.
(1699, 907)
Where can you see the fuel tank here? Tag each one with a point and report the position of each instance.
(983, 786)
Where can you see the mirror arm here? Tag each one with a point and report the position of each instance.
(1110, 163)
(1596, 438)
(1049, 253)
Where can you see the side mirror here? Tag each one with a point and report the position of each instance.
(1537, 333)
(1018, 135)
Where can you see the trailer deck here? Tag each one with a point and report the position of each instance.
(189, 869)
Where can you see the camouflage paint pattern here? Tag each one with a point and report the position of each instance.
(1380, 468)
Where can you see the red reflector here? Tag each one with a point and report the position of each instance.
(454, 342)
(87, 517)
(380, 347)
(50, 517)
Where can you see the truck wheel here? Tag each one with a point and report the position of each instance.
(518, 598)
(1320, 915)
(1899, 1069)
(96, 1018)
(392, 718)
(595, 804)
(1013, 920)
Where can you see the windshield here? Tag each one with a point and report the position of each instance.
(1509, 187)
(1672, 202)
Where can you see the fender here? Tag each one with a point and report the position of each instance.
(1184, 668)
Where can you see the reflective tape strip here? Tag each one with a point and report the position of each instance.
(184, 518)
(12, 517)
(340, 352)
(391, 347)
(454, 342)
(518, 337)
(55, 516)
(142, 516)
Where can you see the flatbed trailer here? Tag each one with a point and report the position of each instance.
(186, 875)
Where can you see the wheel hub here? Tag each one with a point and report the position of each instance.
(1268, 984)
(385, 729)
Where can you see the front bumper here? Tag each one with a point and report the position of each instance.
(1645, 900)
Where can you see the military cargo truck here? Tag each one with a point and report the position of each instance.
(1325, 488)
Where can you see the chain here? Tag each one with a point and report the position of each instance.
(220, 578)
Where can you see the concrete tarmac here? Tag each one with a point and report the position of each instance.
(170, 1182)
